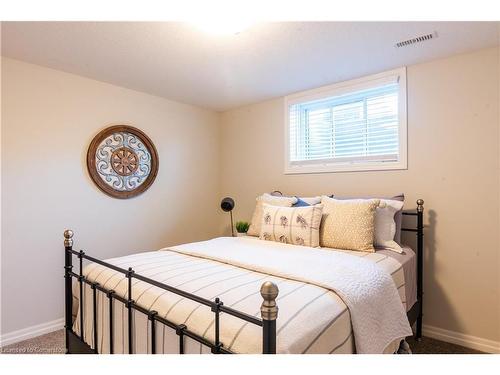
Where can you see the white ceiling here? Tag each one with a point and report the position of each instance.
(177, 61)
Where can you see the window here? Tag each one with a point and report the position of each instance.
(357, 125)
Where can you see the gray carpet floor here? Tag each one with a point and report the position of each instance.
(53, 343)
(50, 343)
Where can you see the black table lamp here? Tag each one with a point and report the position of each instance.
(227, 205)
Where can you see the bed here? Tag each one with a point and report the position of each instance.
(204, 298)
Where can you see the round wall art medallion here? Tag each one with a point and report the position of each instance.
(122, 161)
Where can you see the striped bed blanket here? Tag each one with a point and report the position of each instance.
(319, 309)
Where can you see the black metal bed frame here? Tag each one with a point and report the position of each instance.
(76, 344)
(415, 314)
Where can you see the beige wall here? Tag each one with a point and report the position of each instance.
(453, 163)
(48, 119)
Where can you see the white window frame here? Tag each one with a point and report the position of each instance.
(313, 166)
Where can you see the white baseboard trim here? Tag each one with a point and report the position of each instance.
(473, 342)
(30, 332)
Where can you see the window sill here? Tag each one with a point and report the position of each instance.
(330, 168)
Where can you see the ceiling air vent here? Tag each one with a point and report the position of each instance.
(418, 39)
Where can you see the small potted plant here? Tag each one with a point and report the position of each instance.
(242, 228)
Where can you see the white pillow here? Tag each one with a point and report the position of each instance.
(255, 225)
(385, 225)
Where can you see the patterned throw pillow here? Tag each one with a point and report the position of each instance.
(254, 229)
(398, 217)
(292, 225)
(386, 225)
(348, 224)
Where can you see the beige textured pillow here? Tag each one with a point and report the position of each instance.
(292, 225)
(348, 224)
(254, 229)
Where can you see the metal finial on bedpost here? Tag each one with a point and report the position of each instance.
(269, 313)
(68, 238)
(420, 205)
(68, 297)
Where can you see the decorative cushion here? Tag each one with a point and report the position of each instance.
(254, 229)
(348, 224)
(292, 225)
(398, 217)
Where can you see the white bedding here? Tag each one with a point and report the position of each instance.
(312, 317)
(377, 315)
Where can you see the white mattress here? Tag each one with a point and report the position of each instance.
(408, 260)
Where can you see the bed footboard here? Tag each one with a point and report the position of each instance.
(78, 345)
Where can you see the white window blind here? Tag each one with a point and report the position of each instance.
(360, 126)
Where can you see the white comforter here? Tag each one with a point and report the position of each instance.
(331, 301)
(377, 315)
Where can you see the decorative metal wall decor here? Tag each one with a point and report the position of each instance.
(122, 161)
